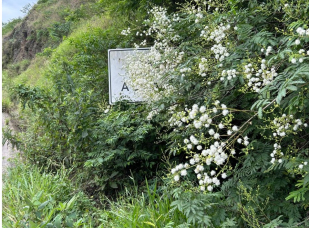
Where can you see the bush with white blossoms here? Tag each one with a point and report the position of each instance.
(230, 69)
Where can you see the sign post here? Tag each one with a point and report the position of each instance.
(118, 78)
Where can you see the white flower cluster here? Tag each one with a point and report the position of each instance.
(301, 52)
(177, 119)
(301, 166)
(209, 180)
(300, 60)
(286, 124)
(151, 114)
(205, 32)
(126, 32)
(199, 16)
(294, 60)
(150, 73)
(277, 154)
(261, 77)
(218, 36)
(213, 154)
(302, 32)
(161, 26)
(244, 140)
(197, 8)
(228, 74)
(107, 109)
(220, 52)
(203, 67)
(184, 70)
(180, 169)
(268, 50)
(210, 145)
(204, 118)
(283, 126)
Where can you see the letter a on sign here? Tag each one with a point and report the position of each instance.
(119, 86)
(124, 87)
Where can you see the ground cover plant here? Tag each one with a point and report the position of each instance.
(224, 123)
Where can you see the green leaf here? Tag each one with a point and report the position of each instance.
(229, 223)
(28, 202)
(36, 203)
(280, 95)
(84, 134)
(70, 203)
(297, 82)
(244, 31)
(260, 113)
(274, 223)
(68, 222)
(292, 87)
(43, 205)
(113, 185)
(149, 223)
(113, 174)
(306, 179)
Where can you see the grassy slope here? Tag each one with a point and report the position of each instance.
(43, 17)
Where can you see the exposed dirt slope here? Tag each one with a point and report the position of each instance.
(17, 47)
(32, 34)
(7, 151)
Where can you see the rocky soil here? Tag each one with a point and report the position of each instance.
(31, 35)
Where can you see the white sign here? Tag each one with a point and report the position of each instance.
(118, 79)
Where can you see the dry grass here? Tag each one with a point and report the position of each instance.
(44, 15)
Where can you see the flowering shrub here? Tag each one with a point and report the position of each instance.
(226, 91)
(241, 66)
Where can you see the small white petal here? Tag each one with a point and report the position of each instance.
(176, 178)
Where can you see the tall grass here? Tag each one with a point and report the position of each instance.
(34, 198)
(142, 209)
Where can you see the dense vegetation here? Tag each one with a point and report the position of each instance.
(220, 141)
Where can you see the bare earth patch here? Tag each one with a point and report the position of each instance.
(8, 152)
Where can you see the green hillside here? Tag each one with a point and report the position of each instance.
(220, 141)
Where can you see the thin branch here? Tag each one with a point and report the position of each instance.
(250, 119)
